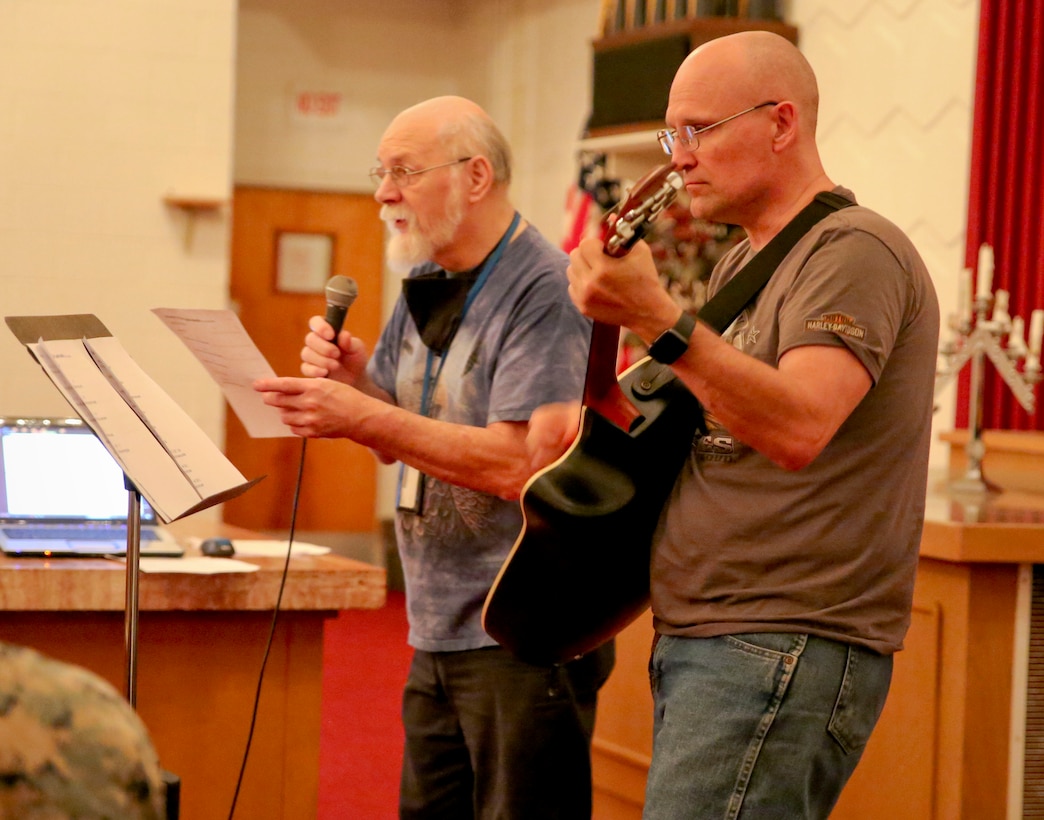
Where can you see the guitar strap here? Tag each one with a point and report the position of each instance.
(737, 293)
(650, 377)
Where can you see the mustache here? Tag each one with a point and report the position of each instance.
(392, 213)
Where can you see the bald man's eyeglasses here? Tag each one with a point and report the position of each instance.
(689, 135)
(403, 176)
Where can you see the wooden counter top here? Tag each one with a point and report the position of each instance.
(1012, 459)
(198, 649)
(325, 582)
(1004, 527)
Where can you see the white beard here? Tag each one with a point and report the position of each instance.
(409, 248)
(406, 250)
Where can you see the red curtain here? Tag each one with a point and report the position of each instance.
(1006, 193)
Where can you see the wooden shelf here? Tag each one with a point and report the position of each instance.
(699, 29)
(639, 138)
(194, 203)
(193, 206)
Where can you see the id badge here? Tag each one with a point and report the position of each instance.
(411, 490)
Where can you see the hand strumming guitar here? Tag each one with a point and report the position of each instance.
(552, 428)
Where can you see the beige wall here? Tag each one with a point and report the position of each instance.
(106, 107)
(380, 55)
(897, 82)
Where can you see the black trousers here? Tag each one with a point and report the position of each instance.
(488, 736)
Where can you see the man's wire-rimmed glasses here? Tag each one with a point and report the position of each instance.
(689, 135)
(403, 176)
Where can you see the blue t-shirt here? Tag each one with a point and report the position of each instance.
(522, 344)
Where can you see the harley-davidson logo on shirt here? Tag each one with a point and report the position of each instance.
(840, 323)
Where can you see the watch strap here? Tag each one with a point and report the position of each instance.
(669, 346)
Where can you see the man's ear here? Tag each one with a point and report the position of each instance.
(479, 172)
(786, 117)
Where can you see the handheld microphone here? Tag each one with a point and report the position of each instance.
(340, 293)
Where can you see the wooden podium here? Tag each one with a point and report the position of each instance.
(961, 735)
(201, 642)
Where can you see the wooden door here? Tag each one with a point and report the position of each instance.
(338, 488)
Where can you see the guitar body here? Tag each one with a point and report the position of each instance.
(579, 571)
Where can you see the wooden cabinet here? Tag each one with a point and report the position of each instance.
(941, 748)
(622, 747)
(699, 30)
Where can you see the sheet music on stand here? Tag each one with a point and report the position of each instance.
(163, 452)
(166, 457)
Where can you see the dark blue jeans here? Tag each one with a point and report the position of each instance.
(488, 736)
(763, 726)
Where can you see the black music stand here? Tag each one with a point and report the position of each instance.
(130, 619)
(171, 782)
(32, 329)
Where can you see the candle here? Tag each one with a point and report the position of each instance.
(1036, 332)
(964, 301)
(1015, 342)
(1000, 307)
(985, 272)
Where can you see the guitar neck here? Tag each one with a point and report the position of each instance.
(602, 391)
(650, 195)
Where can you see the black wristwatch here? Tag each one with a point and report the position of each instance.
(674, 341)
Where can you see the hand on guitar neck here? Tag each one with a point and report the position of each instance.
(621, 229)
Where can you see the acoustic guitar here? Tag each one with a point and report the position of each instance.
(579, 571)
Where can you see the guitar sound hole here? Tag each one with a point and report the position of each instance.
(584, 486)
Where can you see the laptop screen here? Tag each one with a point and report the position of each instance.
(56, 470)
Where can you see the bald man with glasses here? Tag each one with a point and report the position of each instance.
(783, 565)
(483, 334)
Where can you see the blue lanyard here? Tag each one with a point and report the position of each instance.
(491, 261)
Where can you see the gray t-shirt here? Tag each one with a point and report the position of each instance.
(522, 344)
(831, 549)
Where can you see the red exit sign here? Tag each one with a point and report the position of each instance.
(318, 106)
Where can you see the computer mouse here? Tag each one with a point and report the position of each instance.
(217, 547)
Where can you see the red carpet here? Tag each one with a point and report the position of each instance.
(365, 660)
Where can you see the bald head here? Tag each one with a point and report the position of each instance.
(763, 164)
(752, 67)
(458, 127)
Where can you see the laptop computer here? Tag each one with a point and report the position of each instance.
(62, 494)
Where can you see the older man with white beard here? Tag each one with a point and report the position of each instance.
(483, 334)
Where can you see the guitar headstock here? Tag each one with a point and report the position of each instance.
(644, 202)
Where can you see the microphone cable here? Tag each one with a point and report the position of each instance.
(271, 631)
(341, 292)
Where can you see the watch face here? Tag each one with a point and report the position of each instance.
(668, 346)
(673, 342)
